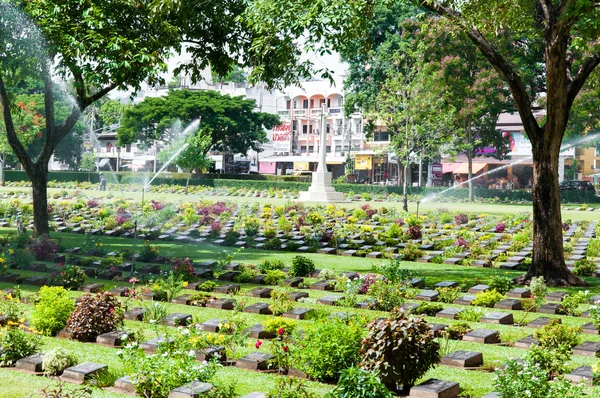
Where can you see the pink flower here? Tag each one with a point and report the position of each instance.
(112, 269)
(284, 348)
(280, 331)
(258, 344)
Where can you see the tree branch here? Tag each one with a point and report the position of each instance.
(95, 97)
(11, 134)
(501, 66)
(586, 69)
(48, 101)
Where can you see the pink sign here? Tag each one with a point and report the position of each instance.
(267, 167)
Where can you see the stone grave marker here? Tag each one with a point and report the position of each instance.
(79, 373)
(135, 314)
(589, 328)
(32, 363)
(449, 313)
(258, 308)
(177, 319)
(463, 359)
(297, 313)
(526, 342)
(194, 389)
(330, 300)
(209, 353)
(556, 296)
(446, 284)
(212, 325)
(437, 328)
(255, 395)
(258, 332)
(587, 349)
(111, 339)
(92, 288)
(323, 285)
(483, 336)
(293, 282)
(225, 304)
(435, 388)
(151, 345)
(467, 299)
(184, 299)
(550, 308)
(500, 318)
(478, 288)
(296, 296)
(125, 384)
(581, 374)
(539, 322)
(427, 295)
(226, 289)
(509, 304)
(519, 292)
(254, 361)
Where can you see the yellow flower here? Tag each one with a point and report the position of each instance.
(185, 284)
(11, 251)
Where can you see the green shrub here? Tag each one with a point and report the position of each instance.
(301, 266)
(386, 296)
(274, 277)
(571, 303)
(270, 265)
(471, 314)
(402, 349)
(393, 271)
(329, 347)
(518, 377)
(247, 274)
(282, 302)
(326, 275)
(52, 310)
(58, 359)
(500, 283)
(584, 267)
(358, 383)
(274, 324)
(448, 294)
(94, 315)
(207, 286)
(457, 330)
(429, 309)
(488, 298)
(70, 276)
(15, 344)
(411, 252)
(555, 334)
(290, 387)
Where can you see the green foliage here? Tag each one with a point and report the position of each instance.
(270, 265)
(552, 361)
(58, 359)
(457, 330)
(281, 301)
(500, 283)
(207, 286)
(518, 377)
(393, 271)
(272, 325)
(290, 387)
(386, 296)
(448, 294)
(15, 344)
(355, 382)
(555, 334)
(94, 315)
(471, 314)
(274, 277)
(584, 267)
(52, 310)
(489, 298)
(429, 309)
(400, 348)
(329, 347)
(538, 288)
(301, 266)
(70, 276)
(571, 302)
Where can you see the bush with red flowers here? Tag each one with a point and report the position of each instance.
(95, 315)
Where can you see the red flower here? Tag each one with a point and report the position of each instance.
(258, 344)
(280, 331)
(284, 348)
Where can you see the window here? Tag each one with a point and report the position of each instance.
(329, 102)
(305, 104)
(310, 129)
(303, 148)
(304, 129)
(338, 148)
(328, 128)
(381, 136)
(321, 102)
(311, 148)
(328, 148)
(128, 148)
(288, 104)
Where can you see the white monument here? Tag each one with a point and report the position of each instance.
(321, 189)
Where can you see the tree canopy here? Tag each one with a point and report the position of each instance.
(227, 123)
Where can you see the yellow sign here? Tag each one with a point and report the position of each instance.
(379, 160)
(301, 166)
(363, 162)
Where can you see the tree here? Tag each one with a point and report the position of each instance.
(561, 38)
(195, 156)
(88, 162)
(229, 123)
(96, 45)
(566, 34)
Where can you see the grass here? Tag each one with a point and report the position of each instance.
(473, 383)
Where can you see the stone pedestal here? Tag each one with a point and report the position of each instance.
(321, 189)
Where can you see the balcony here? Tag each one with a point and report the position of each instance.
(300, 112)
(316, 112)
(335, 111)
(284, 113)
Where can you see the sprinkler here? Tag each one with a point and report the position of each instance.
(418, 203)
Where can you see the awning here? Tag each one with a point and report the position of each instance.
(313, 159)
(464, 168)
(450, 167)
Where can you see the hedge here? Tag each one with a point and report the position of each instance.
(262, 182)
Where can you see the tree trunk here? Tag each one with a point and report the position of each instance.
(548, 257)
(421, 170)
(404, 183)
(470, 174)
(2, 177)
(39, 182)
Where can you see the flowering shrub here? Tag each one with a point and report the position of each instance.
(414, 231)
(386, 296)
(91, 203)
(15, 343)
(94, 315)
(56, 360)
(301, 266)
(52, 310)
(70, 276)
(156, 205)
(183, 268)
(270, 265)
(148, 252)
(156, 375)
(43, 248)
(367, 281)
(281, 301)
(461, 242)
(524, 378)
(461, 219)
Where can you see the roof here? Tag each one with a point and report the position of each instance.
(464, 168)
